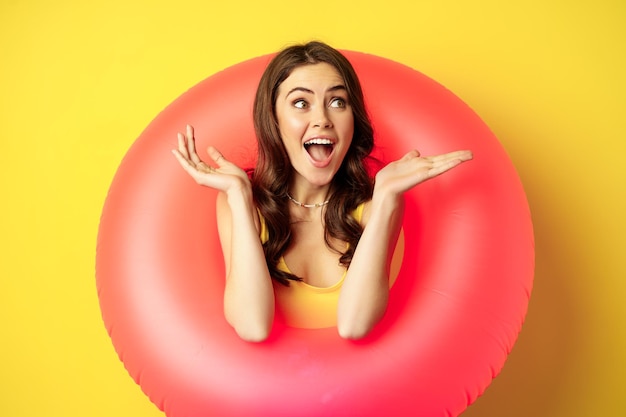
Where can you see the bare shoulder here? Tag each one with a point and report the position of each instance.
(365, 213)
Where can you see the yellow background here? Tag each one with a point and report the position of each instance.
(80, 80)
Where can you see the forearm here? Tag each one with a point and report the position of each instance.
(249, 295)
(365, 292)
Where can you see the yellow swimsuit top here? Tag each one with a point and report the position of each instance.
(304, 305)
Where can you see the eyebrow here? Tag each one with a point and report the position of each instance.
(339, 87)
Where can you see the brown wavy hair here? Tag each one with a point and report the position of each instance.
(351, 186)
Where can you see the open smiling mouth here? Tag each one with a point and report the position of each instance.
(319, 149)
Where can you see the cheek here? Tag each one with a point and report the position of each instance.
(348, 126)
(291, 129)
(290, 125)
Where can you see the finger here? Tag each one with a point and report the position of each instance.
(184, 162)
(450, 156)
(411, 154)
(440, 168)
(202, 167)
(191, 144)
(182, 146)
(216, 156)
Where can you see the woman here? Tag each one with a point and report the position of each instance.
(309, 216)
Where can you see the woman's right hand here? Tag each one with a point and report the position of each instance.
(226, 177)
(248, 293)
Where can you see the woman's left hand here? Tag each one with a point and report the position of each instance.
(405, 173)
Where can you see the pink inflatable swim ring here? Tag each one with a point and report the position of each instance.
(455, 309)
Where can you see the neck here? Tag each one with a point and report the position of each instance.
(305, 194)
(307, 205)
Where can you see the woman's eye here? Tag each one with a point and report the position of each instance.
(300, 104)
(338, 103)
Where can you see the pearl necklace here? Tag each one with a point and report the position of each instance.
(296, 202)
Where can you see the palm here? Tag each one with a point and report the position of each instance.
(225, 177)
(405, 173)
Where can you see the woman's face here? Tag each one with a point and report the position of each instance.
(315, 121)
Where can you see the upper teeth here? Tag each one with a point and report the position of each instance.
(319, 142)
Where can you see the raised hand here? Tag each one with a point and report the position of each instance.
(405, 173)
(226, 176)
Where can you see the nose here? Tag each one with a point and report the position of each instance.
(321, 119)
